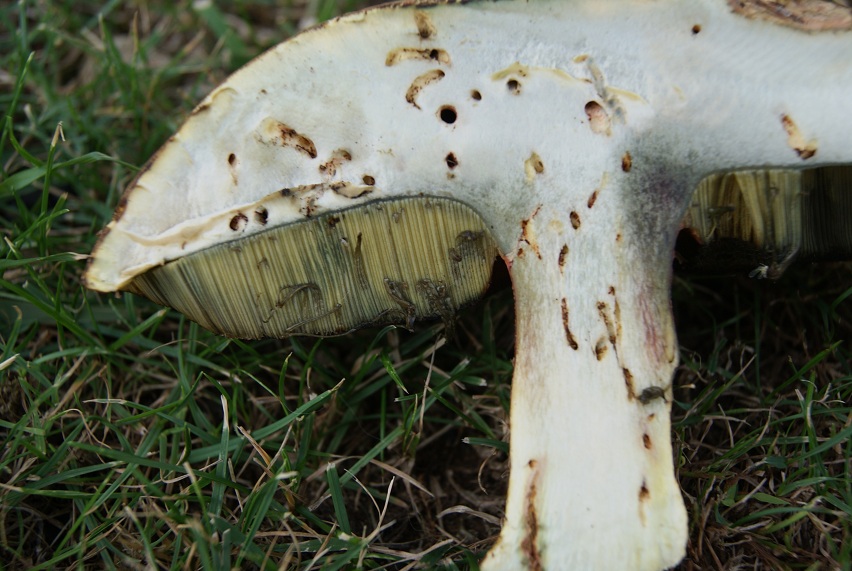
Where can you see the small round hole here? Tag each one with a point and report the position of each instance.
(434, 54)
(238, 222)
(232, 158)
(447, 114)
(476, 95)
(696, 28)
(452, 161)
(514, 86)
(368, 180)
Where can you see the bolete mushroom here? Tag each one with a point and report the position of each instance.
(366, 170)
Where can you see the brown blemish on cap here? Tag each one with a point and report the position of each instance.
(420, 82)
(646, 441)
(626, 162)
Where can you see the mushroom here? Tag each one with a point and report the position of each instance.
(366, 171)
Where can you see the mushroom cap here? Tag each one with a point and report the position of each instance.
(457, 102)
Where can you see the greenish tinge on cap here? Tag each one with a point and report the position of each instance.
(766, 218)
(387, 262)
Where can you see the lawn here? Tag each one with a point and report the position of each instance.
(132, 438)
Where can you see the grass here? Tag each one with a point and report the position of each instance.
(131, 438)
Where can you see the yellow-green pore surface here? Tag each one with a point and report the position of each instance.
(390, 261)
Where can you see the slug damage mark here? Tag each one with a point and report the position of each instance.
(420, 82)
(529, 544)
(451, 160)
(274, 132)
(616, 312)
(398, 55)
(338, 157)
(528, 234)
(425, 28)
(603, 311)
(644, 493)
(575, 220)
(599, 120)
(608, 95)
(448, 114)
(601, 349)
(533, 166)
(628, 382)
(572, 342)
(232, 167)
(563, 254)
(239, 222)
(644, 497)
(351, 191)
(592, 199)
(795, 139)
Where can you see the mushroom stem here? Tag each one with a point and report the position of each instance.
(592, 482)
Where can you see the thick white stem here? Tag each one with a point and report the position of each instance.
(592, 482)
